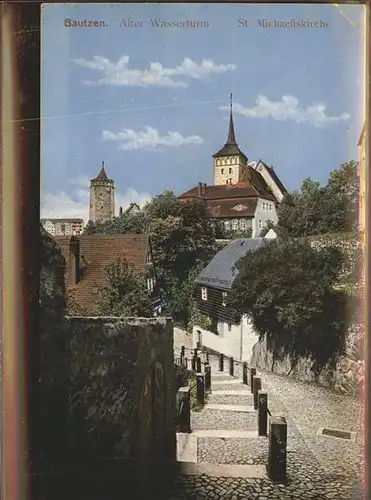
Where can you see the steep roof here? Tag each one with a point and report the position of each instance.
(219, 273)
(230, 147)
(225, 191)
(232, 208)
(97, 251)
(102, 176)
(275, 178)
(361, 135)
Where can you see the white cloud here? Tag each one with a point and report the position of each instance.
(289, 109)
(156, 75)
(76, 203)
(149, 138)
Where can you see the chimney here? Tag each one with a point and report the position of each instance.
(74, 261)
(199, 191)
(120, 211)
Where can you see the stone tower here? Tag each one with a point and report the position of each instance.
(230, 164)
(102, 197)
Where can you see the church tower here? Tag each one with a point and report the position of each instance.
(102, 197)
(230, 163)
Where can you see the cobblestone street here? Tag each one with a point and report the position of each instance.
(318, 467)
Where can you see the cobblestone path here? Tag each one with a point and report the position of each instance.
(318, 467)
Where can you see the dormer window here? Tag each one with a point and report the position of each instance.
(224, 299)
(204, 293)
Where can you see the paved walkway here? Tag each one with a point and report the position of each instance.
(231, 458)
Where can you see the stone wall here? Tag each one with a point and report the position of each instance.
(122, 387)
(345, 377)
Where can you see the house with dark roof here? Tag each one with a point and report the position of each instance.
(88, 256)
(231, 335)
(132, 209)
(245, 194)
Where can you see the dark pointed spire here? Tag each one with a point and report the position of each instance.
(231, 136)
(230, 147)
(102, 176)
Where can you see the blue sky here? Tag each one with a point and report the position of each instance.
(150, 102)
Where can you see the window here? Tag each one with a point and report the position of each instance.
(229, 327)
(224, 299)
(204, 293)
(243, 224)
(270, 207)
(235, 224)
(222, 171)
(230, 170)
(260, 224)
(227, 224)
(263, 206)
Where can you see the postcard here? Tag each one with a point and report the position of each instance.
(202, 175)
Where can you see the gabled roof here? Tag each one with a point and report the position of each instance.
(219, 273)
(226, 208)
(97, 251)
(275, 177)
(132, 206)
(225, 191)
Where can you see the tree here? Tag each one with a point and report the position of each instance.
(316, 209)
(182, 238)
(125, 294)
(287, 287)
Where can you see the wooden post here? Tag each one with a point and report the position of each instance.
(221, 362)
(231, 366)
(200, 377)
(184, 404)
(207, 378)
(277, 449)
(257, 385)
(193, 363)
(198, 364)
(263, 413)
(244, 373)
(252, 375)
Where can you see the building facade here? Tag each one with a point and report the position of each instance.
(245, 195)
(102, 197)
(227, 333)
(87, 258)
(63, 227)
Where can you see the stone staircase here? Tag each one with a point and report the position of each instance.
(227, 422)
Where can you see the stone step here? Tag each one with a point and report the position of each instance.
(186, 447)
(232, 381)
(223, 470)
(227, 392)
(225, 434)
(224, 407)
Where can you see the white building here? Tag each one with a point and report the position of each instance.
(233, 336)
